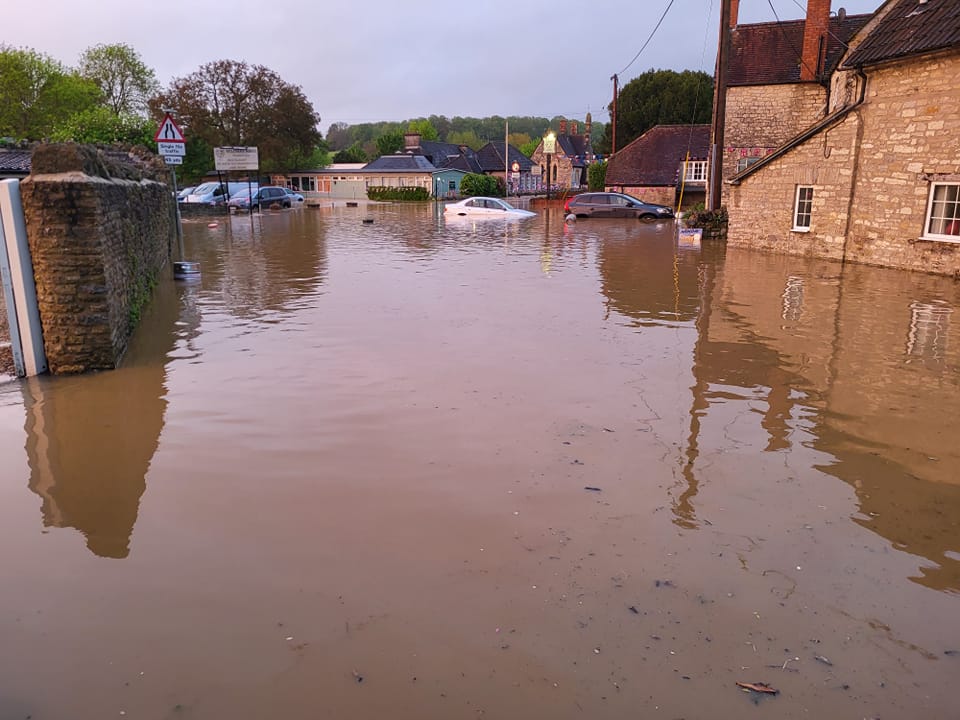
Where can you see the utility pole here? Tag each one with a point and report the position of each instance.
(616, 93)
(719, 109)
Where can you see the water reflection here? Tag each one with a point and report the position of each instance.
(830, 366)
(90, 439)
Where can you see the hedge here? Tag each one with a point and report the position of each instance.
(401, 194)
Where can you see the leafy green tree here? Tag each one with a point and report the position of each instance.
(476, 184)
(389, 143)
(339, 136)
(352, 154)
(529, 148)
(597, 176)
(425, 128)
(101, 125)
(37, 93)
(465, 137)
(318, 158)
(125, 81)
(227, 102)
(658, 97)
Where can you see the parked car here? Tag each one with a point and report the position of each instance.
(295, 197)
(264, 197)
(182, 195)
(215, 193)
(612, 204)
(486, 207)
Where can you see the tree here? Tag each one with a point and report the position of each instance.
(124, 80)
(659, 97)
(352, 154)
(37, 93)
(476, 184)
(597, 176)
(227, 102)
(338, 136)
(529, 148)
(389, 143)
(465, 137)
(101, 125)
(425, 128)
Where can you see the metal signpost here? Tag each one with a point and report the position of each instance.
(172, 146)
(238, 158)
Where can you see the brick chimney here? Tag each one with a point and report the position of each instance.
(814, 39)
(563, 127)
(734, 12)
(411, 142)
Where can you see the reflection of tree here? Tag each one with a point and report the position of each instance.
(261, 265)
(90, 439)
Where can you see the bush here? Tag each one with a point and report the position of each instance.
(486, 185)
(398, 194)
(597, 176)
(699, 217)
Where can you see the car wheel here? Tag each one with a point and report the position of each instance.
(648, 217)
(286, 205)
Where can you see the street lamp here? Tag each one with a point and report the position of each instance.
(549, 148)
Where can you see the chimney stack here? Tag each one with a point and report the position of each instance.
(814, 39)
(734, 12)
(563, 127)
(411, 142)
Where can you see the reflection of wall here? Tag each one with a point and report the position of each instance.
(90, 439)
(650, 280)
(846, 338)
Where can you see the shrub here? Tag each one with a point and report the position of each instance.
(398, 194)
(476, 184)
(699, 217)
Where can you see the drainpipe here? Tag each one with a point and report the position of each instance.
(856, 162)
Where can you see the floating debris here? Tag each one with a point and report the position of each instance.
(758, 687)
(592, 489)
(824, 660)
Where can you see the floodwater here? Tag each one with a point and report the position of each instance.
(416, 469)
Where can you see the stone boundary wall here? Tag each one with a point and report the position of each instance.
(100, 226)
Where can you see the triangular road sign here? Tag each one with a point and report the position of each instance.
(168, 131)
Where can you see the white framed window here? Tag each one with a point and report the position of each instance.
(696, 171)
(803, 208)
(943, 212)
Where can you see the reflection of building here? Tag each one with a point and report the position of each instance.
(90, 439)
(852, 373)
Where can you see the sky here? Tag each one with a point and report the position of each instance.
(371, 60)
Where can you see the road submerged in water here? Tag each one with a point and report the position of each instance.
(428, 468)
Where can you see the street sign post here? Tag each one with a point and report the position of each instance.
(172, 146)
(236, 158)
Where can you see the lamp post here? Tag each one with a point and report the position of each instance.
(549, 148)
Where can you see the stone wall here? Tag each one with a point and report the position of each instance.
(760, 118)
(911, 124)
(100, 227)
(870, 176)
(657, 195)
(761, 208)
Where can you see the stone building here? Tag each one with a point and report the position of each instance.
(568, 165)
(665, 165)
(877, 179)
(777, 79)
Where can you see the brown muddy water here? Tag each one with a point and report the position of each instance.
(419, 469)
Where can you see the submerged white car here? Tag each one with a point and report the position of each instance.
(486, 207)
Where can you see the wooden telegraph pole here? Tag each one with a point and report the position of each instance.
(616, 93)
(719, 109)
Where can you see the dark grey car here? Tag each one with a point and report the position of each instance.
(611, 204)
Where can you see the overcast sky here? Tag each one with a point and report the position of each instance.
(368, 60)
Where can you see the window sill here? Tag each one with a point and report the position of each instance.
(951, 239)
(800, 229)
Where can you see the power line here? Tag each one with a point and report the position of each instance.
(656, 27)
(793, 47)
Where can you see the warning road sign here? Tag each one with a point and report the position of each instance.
(168, 131)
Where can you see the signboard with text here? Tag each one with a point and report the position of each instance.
(236, 158)
(171, 148)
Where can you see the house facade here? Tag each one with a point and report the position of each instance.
(568, 165)
(666, 165)
(877, 179)
(517, 171)
(772, 94)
